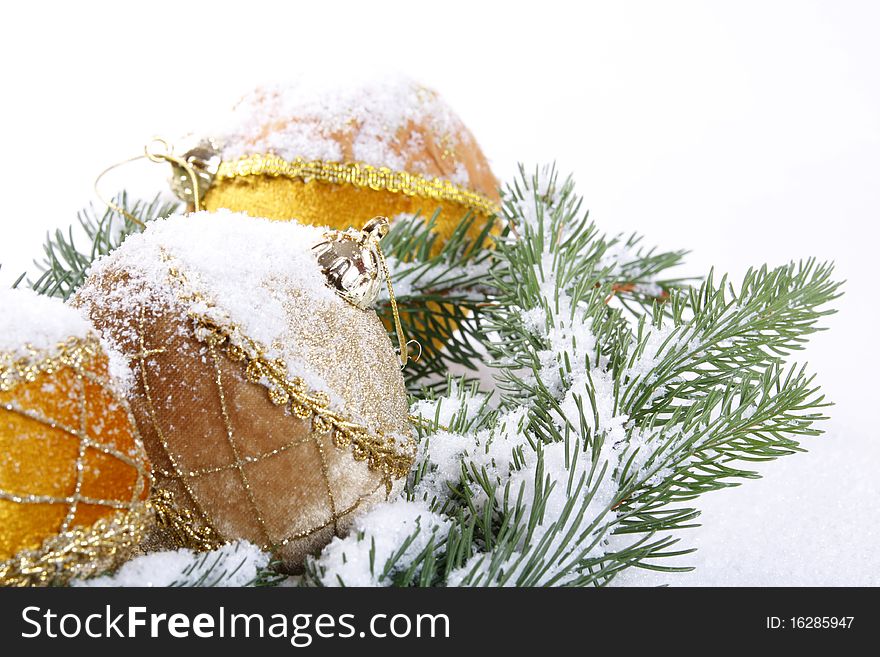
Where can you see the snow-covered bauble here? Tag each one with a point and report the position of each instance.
(322, 153)
(271, 407)
(74, 477)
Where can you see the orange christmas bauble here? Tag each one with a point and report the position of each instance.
(74, 477)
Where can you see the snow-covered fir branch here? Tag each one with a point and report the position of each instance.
(604, 416)
(236, 564)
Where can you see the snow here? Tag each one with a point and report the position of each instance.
(807, 522)
(491, 450)
(455, 404)
(235, 564)
(29, 320)
(360, 558)
(215, 252)
(773, 155)
(304, 118)
(121, 375)
(32, 321)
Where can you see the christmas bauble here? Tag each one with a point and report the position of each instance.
(271, 405)
(74, 478)
(325, 154)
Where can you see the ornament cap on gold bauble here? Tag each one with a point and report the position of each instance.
(74, 477)
(352, 261)
(201, 162)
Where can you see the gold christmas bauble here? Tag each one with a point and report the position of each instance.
(271, 407)
(74, 477)
(325, 155)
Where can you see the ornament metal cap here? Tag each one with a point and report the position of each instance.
(355, 267)
(352, 262)
(193, 173)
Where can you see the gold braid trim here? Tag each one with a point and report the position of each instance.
(359, 175)
(181, 525)
(75, 353)
(382, 453)
(79, 552)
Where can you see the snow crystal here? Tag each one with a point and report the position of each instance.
(121, 375)
(460, 175)
(444, 452)
(235, 564)
(534, 320)
(489, 449)
(494, 448)
(541, 194)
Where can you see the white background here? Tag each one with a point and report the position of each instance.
(748, 132)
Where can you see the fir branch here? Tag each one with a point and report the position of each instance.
(730, 335)
(439, 291)
(65, 263)
(620, 394)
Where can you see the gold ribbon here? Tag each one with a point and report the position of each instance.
(364, 176)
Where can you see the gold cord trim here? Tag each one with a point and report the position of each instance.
(80, 459)
(398, 327)
(382, 453)
(80, 552)
(332, 521)
(182, 525)
(359, 175)
(109, 450)
(75, 353)
(142, 363)
(325, 474)
(230, 438)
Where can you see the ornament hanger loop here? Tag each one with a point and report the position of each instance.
(157, 150)
(152, 152)
(376, 228)
(110, 204)
(166, 154)
(419, 345)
